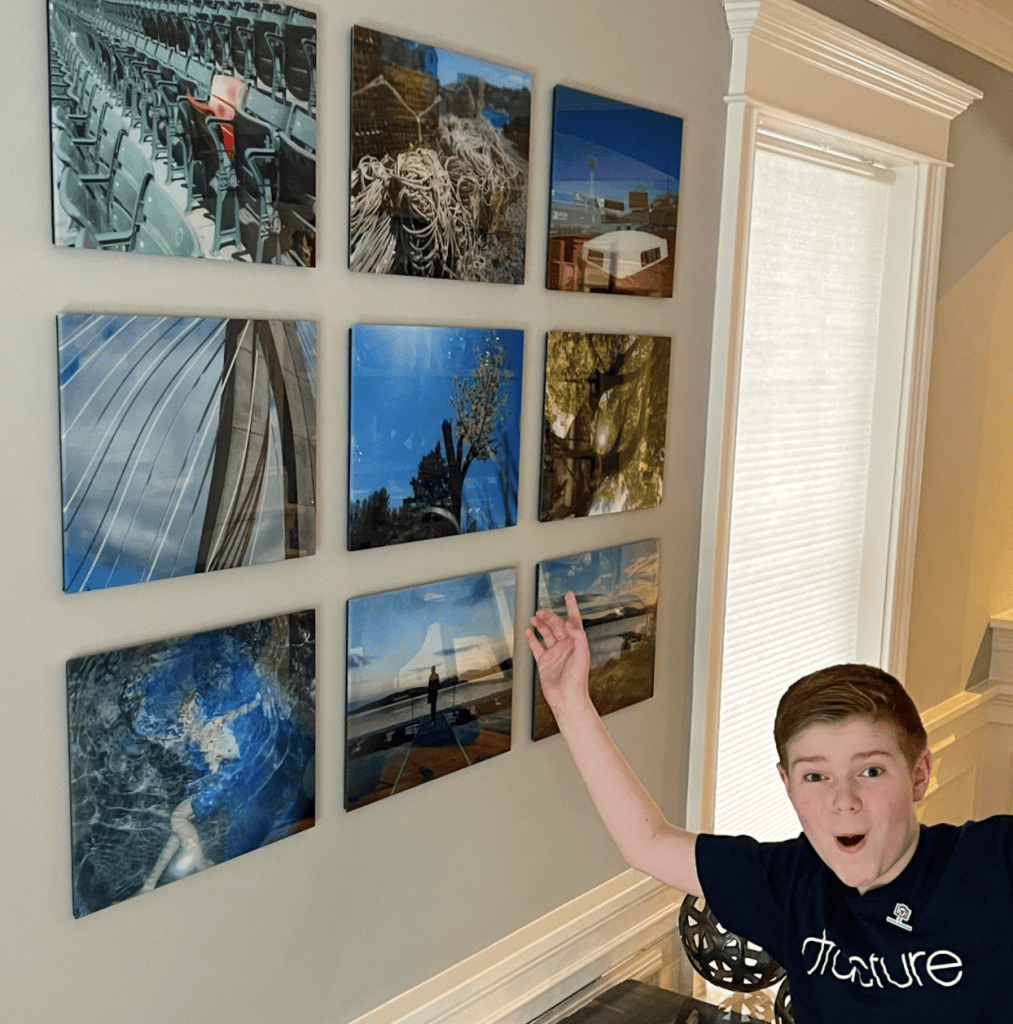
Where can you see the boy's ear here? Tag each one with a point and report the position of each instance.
(921, 774)
(784, 778)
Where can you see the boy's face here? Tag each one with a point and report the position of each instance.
(854, 794)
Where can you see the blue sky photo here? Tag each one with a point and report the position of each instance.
(634, 148)
(452, 66)
(396, 637)
(401, 386)
(625, 575)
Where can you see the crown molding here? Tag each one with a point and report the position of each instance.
(824, 43)
(740, 15)
(970, 24)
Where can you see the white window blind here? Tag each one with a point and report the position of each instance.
(804, 433)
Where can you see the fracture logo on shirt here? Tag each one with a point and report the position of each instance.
(914, 967)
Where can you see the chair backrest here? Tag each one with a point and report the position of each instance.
(162, 228)
(302, 130)
(269, 48)
(242, 42)
(200, 76)
(131, 170)
(297, 171)
(112, 131)
(300, 55)
(262, 107)
(100, 105)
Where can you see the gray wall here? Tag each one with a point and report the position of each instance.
(332, 922)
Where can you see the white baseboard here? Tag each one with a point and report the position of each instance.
(523, 975)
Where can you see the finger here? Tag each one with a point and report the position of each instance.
(546, 615)
(572, 611)
(551, 626)
(540, 634)
(534, 643)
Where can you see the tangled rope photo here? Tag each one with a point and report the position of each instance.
(434, 193)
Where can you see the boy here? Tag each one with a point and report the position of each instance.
(874, 917)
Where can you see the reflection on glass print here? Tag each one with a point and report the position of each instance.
(614, 197)
(435, 432)
(617, 594)
(606, 401)
(188, 752)
(184, 134)
(430, 682)
(439, 162)
(187, 444)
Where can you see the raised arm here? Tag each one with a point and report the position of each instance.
(645, 839)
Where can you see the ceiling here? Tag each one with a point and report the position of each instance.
(983, 27)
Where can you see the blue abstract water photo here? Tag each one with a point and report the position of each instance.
(188, 752)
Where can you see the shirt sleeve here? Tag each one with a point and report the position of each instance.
(744, 883)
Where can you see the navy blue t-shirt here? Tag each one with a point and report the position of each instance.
(933, 945)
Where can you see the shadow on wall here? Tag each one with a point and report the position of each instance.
(982, 667)
(978, 212)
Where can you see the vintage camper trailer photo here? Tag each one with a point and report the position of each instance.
(614, 199)
(439, 162)
(188, 752)
(430, 682)
(606, 401)
(617, 593)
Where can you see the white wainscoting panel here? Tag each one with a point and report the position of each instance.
(971, 738)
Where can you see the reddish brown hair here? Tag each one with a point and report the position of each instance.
(841, 691)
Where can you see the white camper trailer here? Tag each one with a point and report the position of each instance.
(624, 253)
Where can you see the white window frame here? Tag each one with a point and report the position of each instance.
(801, 74)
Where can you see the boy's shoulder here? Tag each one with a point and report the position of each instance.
(994, 832)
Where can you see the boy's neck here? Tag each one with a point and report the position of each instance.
(898, 868)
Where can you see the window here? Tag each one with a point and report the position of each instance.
(798, 535)
(823, 318)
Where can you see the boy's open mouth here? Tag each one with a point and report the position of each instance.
(849, 841)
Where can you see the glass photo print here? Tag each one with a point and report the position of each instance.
(617, 594)
(606, 402)
(439, 156)
(430, 682)
(614, 197)
(435, 432)
(187, 444)
(184, 134)
(188, 752)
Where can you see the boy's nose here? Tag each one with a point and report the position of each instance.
(846, 797)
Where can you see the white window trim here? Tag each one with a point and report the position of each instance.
(804, 72)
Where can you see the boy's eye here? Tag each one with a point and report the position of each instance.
(813, 777)
(873, 772)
